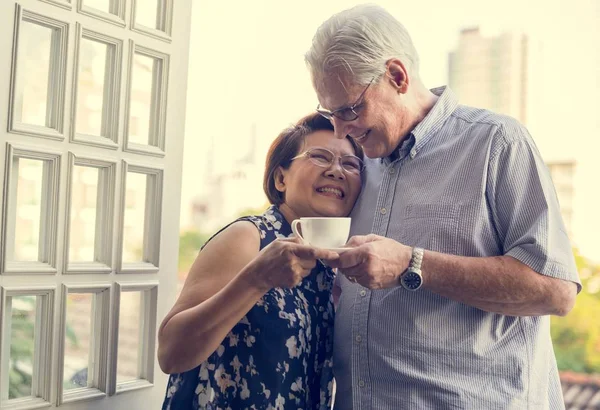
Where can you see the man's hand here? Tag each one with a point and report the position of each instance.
(373, 261)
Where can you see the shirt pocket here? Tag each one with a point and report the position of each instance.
(431, 226)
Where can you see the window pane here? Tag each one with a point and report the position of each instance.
(146, 13)
(28, 209)
(91, 85)
(82, 237)
(33, 73)
(135, 217)
(78, 333)
(22, 342)
(129, 336)
(142, 86)
(102, 5)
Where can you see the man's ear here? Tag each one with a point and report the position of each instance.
(396, 72)
(279, 178)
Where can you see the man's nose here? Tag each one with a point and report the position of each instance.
(340, 128)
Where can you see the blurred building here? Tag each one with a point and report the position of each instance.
(501, 73)
(227, 193)
(492, 72)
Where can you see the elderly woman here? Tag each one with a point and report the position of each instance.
(253, 327)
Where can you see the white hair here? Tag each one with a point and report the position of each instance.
(358, 42)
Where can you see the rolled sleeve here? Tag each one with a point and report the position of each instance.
(525, 207)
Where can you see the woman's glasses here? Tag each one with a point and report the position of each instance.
(324, 158)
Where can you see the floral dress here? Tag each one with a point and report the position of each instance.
(278, 356)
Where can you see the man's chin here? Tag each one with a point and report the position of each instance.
(373, 152)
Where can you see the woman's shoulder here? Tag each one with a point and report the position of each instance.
(265, 227)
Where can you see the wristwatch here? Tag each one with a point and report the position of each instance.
(411, 278)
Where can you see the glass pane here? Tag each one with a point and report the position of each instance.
(142, 86)
(90, 91)
(33, 73)
(146, 13)
(135, 217)
(83, 214)
(78, 334)
(22, 342)
(129, 336)
(102, 5)
(30, 174)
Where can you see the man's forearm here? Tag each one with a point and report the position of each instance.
(500, 284)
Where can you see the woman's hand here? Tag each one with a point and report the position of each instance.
(284, 263)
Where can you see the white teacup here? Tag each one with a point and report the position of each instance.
(323, 232)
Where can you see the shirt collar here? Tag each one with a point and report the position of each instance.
(433, 121)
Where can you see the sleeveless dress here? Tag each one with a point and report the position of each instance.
(278, 356)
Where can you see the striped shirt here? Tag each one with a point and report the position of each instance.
(466, 182)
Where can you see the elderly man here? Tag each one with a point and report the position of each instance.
(459, 251)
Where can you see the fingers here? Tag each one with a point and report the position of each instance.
(309, 252)
(356, 272)
(332, 263)
(351, 258)
(302, 270)
(358, 240)
(306, 264)
(292, 239)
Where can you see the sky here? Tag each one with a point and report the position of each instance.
(247, 67)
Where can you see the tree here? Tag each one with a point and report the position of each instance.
(22, 345)
(576, 337)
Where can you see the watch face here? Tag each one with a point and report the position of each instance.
(412, 280)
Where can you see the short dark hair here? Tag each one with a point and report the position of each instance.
(287, 145)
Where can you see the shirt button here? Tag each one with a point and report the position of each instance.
(392, 170)
(363, 293)
(383, 211)
(361, 383)
(358, 339)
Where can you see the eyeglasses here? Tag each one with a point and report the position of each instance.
(324, 158)
(345, 113)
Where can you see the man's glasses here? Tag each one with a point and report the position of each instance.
(347, 113)
(324, 158)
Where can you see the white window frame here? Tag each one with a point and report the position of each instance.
(105, 205)
(99, 338)
(47, 259)
(148, 326)
(117, 18)
(55, 111)
(112, 91)
(152, 219)
(42, 362)
(158, 114)
(164, 16)
(164, 158)
(65, 4)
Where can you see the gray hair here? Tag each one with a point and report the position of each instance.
(359, 41)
